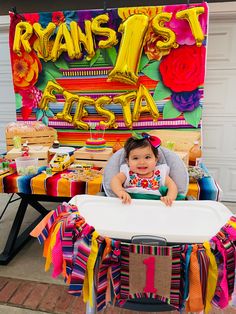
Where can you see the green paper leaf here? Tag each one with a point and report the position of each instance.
(61, 63)
(169, 111)
(18, 100)
(161, 92)
(95, 58)
(152, 71)
(49, 113)
(44, 78)
(41, 83)
(194, 116)
(39, 114)
(53, 71)
(143, 62)
(45, 120)
(112, 54)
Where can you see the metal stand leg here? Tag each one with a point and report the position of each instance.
(7, 204)
(15, 242)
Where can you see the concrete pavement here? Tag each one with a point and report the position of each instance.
(24, 285)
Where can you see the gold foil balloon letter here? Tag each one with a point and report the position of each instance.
(133, 34)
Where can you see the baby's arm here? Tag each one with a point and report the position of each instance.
(172, 192)
(117, 187)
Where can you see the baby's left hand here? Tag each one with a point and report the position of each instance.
(167, 200)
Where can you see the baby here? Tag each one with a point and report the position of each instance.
(141, 174)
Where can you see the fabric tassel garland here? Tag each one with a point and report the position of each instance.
(91, 263)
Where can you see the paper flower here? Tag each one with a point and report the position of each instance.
(30, 99)
(31, 17)
(25, 70)
(183, 70)
(186, 101)
(181, 27)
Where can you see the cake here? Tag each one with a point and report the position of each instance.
(95, 144)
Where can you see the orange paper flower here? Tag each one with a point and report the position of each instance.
(25, 70)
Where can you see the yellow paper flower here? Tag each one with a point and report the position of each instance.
(150, 49)
(151, 12)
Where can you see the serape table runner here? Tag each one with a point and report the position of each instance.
(55, 185)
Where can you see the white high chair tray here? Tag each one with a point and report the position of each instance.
(183, 222)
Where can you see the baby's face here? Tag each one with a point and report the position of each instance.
(142, 161)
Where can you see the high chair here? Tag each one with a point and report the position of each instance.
(179, 173)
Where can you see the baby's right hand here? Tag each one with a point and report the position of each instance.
(125, 197)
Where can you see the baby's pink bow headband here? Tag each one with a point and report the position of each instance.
(153, 140)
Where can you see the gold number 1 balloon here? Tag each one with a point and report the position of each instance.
(133, 34)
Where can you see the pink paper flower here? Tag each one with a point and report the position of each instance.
(30, 99)
(181, 27)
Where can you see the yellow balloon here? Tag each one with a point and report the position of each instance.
(125, 101)
(43, 35)
(133, 31)
(48, 94)
(150, 106)
(111, 119)
(104, 31)
(70, 99)
(159, 28)
(63, 34)
(191, 15)
(81, 112)
(79, 39)
(23, 32)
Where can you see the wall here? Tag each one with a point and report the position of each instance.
(219, 115)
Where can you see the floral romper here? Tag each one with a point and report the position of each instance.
(136, 184)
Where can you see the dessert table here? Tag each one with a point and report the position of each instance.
(39, 187)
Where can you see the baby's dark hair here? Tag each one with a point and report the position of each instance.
(133, 143)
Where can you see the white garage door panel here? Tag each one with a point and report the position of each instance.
(6, 92)
(219, 113)
(220, 93)
(219, 137)
(212, 138)
(222, 45)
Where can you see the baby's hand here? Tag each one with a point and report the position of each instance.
(125, 197)
(167, 200)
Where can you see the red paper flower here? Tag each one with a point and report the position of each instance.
(184, 68)
(31, 17)
(58, 17)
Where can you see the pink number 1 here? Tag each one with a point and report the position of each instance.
(150, 275)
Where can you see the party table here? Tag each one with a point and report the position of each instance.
(33, 189)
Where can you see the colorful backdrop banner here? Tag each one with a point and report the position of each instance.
(137, 68)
